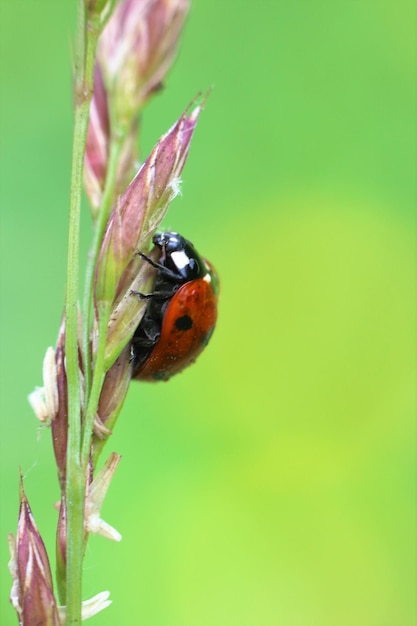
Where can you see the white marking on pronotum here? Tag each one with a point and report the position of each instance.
(180, 259)
(207, 278)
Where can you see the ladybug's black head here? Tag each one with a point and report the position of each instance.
(179, 255)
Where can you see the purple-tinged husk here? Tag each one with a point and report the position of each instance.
(32, 591)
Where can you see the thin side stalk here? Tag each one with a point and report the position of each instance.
(76, 477)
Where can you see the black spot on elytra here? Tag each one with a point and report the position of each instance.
(183, 323)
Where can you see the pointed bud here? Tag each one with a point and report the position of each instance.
(112, 397)
(136, 49)
(60, 423)
(50, 402)
(96, 493)
(98, 146)
(131, 224)
(32, 591)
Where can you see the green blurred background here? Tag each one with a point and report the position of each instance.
(274, 482)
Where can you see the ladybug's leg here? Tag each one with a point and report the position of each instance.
(144, 339)
(157, 295)
(145, 342)
(164, 270)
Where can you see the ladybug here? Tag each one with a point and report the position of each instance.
(181, 312)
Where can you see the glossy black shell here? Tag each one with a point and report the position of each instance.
(178, 255)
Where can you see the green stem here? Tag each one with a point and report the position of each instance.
(97, 383)
(103, 216)
(76, 477)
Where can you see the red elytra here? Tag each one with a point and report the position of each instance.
(187, 327)
(181, 313)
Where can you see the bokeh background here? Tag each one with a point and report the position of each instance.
(274, 482)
